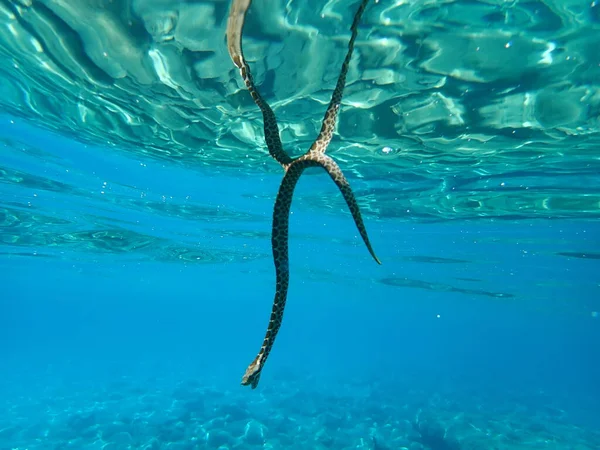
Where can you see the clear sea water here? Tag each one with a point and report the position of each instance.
(135, 212)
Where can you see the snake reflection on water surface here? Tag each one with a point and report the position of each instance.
(293, 167)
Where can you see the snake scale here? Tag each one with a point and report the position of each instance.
(293, 168)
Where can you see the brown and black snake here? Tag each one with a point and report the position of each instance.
(293, 167)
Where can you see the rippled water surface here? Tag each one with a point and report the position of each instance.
(453, 109)
(136, 194)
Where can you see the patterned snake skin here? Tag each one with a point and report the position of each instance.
(315, 157)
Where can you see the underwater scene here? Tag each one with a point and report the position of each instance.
(414, 183)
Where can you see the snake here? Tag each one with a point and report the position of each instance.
(293, 169)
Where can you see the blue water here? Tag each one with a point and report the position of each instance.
(473, 335)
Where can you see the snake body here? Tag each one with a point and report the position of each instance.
(293, 167)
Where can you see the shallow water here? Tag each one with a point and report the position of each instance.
(135, 213)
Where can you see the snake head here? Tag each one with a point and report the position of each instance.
(252, 375)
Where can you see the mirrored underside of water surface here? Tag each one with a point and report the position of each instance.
(453, 109)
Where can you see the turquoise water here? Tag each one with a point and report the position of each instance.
(135, 293)
(136, 196)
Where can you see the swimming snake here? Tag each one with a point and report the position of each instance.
(293, 167)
